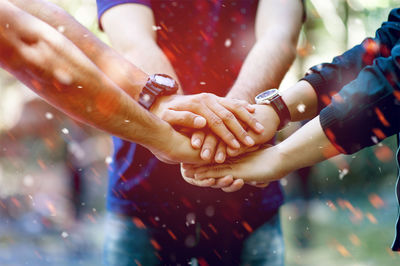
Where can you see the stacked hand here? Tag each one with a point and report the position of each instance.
(220, 128)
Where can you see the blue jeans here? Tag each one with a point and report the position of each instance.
(128, 243)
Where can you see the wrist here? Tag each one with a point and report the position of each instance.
(301, 100)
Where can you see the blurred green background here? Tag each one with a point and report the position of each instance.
(53, 171)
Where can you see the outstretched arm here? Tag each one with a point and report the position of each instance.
(307, 146)
(58, 71)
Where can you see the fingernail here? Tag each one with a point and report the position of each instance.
(199, 121)
(197, 143)
(249, 141)
(259, 127)
(206, 153)
(220, 157)
(236, 144)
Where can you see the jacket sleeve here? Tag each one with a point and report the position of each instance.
(328, 78)
(366, 110)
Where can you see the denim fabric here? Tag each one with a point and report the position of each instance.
(127, 244)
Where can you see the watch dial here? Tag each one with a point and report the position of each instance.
(266, 94)
(165, 81)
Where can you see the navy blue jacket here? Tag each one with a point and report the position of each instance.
(359, 93)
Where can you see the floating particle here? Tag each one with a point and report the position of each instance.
(48, 115)
(61, 29)
(190, 241)
(202, 83)
(283, 181)
(156, 28)
(191, 218)
(301, 108)
(108, 160)
(228, 43)
(28, 180)
(65, 131)
(343, 172)
(210, 211)
(64, 234)
(62, 76)
(79, 87)
(127, 121)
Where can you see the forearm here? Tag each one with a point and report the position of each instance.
(306, 147)
(123, 73)
(137, 40)
(265, 66)
(58, 71)
(277, 28)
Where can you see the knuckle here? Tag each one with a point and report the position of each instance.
(215, 121)
(227, 116)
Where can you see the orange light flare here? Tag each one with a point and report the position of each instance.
(357, 214)
(354, 240)
(379, 133)
(138, 262)
(247, 226)
(382, 117)
(213, 228)
(204, 234)
(155, 244)
(51, 208)
(91, 218)
(172, 234)
(371, 218)
(41, 164)
(16, 202)
(139, 224)
(331, 205)
(342, 250)
(376, 201)
(383, 153)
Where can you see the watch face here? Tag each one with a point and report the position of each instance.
(266, 96)
(164, 80)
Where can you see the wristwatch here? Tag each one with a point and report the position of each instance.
(273, 98)
(157, 85)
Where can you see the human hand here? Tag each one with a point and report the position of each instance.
(259, 167)
(173, 147)
(212, 147)
(222, 115)
(226, 184)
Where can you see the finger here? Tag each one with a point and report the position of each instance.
(237, 152)
(220, 154)
(216, 124)
(187, 172)
(243, 114)
(259, 185)
(197, 139)
(209, 147)
(212, 171)
(236, 185)
(231, 122)
(200, 183)
(183, 118)
(223, 182)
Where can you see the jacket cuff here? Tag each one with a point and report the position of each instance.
(319, 85)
